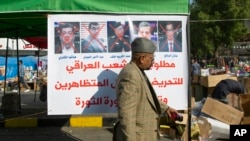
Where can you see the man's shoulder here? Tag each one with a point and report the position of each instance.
(130, 68)
(128, 72)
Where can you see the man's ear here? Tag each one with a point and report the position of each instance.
(142, 59)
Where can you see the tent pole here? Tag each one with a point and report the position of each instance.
(189, 81)
(6, 63)
(18, 75)
(38, 58)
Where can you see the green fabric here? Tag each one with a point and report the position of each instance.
(100, 6)
(28, 18)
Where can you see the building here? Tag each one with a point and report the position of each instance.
(242, 47)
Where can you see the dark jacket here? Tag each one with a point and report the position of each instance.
(163, 45)
(226, 86)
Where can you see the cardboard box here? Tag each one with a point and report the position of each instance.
(247, 84)
(213, 80)
(222, 112)
(192, 102)
(245, 120)
(244, 100)
(233, 100)
(195, 79)
(203, 80)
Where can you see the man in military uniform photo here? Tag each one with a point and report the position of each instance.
(119, 42)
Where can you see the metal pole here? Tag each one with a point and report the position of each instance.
(6, 66)
(18, 74)
(189, 81)
(38, 58)
(12, 48)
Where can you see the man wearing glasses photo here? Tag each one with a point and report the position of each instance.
(66, 43)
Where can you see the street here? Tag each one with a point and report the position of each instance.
(37, 134)
(57, 134)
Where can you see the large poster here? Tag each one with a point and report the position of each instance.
(87, 52)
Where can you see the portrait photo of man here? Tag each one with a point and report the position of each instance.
(93, 40)
(118, 37)
(170, 36)
(67, 39)
(146, 29)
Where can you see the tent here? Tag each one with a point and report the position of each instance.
(27, 19)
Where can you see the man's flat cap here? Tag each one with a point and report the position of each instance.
(143, 45)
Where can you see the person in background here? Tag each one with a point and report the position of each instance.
(21, 77)
(119, 42)
(226, 86)
(93, 43)
(203, 64)
(231, 65)
(67, 43)
(139, 109)
(196, 68)
(42, 79)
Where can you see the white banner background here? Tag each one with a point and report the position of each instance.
(84, 83)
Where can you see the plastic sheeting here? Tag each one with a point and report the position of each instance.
(30, 63)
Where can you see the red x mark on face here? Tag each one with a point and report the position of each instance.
(164, 30)
(119, 38)
(94, 36)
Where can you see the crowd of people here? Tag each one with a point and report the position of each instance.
(232, 65)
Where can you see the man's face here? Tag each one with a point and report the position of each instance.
(148, 61)
(67, 36)
(145, 32)
(94, 30)
(119, 31)
(170, 32)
